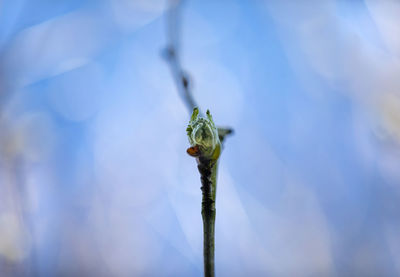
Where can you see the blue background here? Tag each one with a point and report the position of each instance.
(94, 176)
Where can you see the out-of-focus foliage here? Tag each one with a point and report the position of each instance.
(94, 177)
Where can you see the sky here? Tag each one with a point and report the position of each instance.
(94, 175)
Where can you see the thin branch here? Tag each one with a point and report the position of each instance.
(180, 76)
(172, 55)
(206, 153)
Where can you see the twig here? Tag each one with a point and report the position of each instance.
(181, 77)
(205, 138)
(206, 148)
(172, 54)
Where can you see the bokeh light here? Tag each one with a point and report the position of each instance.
(94, 175)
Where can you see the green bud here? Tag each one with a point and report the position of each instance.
(203, 133)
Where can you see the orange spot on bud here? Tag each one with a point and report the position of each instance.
(193, 151)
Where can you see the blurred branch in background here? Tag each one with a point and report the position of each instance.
(172, 55)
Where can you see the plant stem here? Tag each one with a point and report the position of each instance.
(208, 172)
